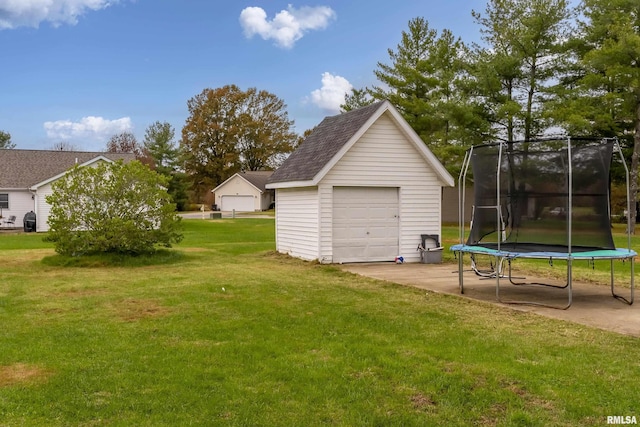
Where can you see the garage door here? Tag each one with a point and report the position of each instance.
(365, 224)
(237, 203)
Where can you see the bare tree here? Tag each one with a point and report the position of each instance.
(64, 146)
(124, 142)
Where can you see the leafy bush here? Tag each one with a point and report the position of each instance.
(112, 208)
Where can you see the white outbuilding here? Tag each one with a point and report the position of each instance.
(244, 192)
(362, 187)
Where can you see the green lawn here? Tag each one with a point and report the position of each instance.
(230, 333)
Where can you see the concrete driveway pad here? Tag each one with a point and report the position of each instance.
(592, 305)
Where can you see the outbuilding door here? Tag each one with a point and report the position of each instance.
(237, 203)
(365, 224)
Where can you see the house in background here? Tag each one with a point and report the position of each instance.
(362, 187)
(26, 177)
(245, 192)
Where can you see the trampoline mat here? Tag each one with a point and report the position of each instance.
(526, 250)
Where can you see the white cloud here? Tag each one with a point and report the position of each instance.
(288, 26)
(31, 13)
(331, 95)
(88, 130)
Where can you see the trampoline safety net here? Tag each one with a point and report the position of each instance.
(539, 194)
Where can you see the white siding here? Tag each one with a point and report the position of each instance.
(43, 208)
(268, 197)
(237, 186)
(297, 222)
(383, 157)
(20, 202)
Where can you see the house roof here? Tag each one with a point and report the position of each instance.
(256, 178)
(334, 136)
(21, 169)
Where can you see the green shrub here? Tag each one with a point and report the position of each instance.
(112, 208)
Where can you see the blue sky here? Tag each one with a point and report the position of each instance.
(83, 70)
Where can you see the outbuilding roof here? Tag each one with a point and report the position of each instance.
(334, 136)
(256, 178)
(323, 144)
(22, 169)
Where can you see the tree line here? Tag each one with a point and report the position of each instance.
(542, 67)
(228, 130)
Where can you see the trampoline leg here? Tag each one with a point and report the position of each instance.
(531, 283)
(620, 297)
(632, 280)
(569, 283)
(460, 275)
(498, 260)
(568, 287)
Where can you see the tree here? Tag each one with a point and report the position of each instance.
(64, 146)
(160, 146)
(408, 80)
(5, 140)
(111, 208)
(264, 130)
(124, 142)
(603, 93)
(427, 82)
(228, 130)
(163, 155)
(523, 56)
(356, 99)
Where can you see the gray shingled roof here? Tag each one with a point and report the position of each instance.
(257, 178)
(25, 168)
(324, 142)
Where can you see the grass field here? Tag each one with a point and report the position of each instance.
(223, 331)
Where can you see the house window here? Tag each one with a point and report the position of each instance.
(4, 201)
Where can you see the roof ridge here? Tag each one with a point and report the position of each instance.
(23, 168)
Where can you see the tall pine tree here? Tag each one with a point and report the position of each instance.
(521, 58)
(426, 81)
(602, 94)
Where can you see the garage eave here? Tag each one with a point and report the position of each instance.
(291, 184)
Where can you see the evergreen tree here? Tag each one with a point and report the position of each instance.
(522, 58)
(163, 154)
(602, 94)
(160, 146)
(427, 82)
(356, 99)
(5, 140)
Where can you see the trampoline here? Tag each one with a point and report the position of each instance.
(541, 199)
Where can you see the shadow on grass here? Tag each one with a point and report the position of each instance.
(159, 257)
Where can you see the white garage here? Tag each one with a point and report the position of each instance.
(244, 192)
(362, 187)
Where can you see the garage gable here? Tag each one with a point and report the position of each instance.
(335, 136)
